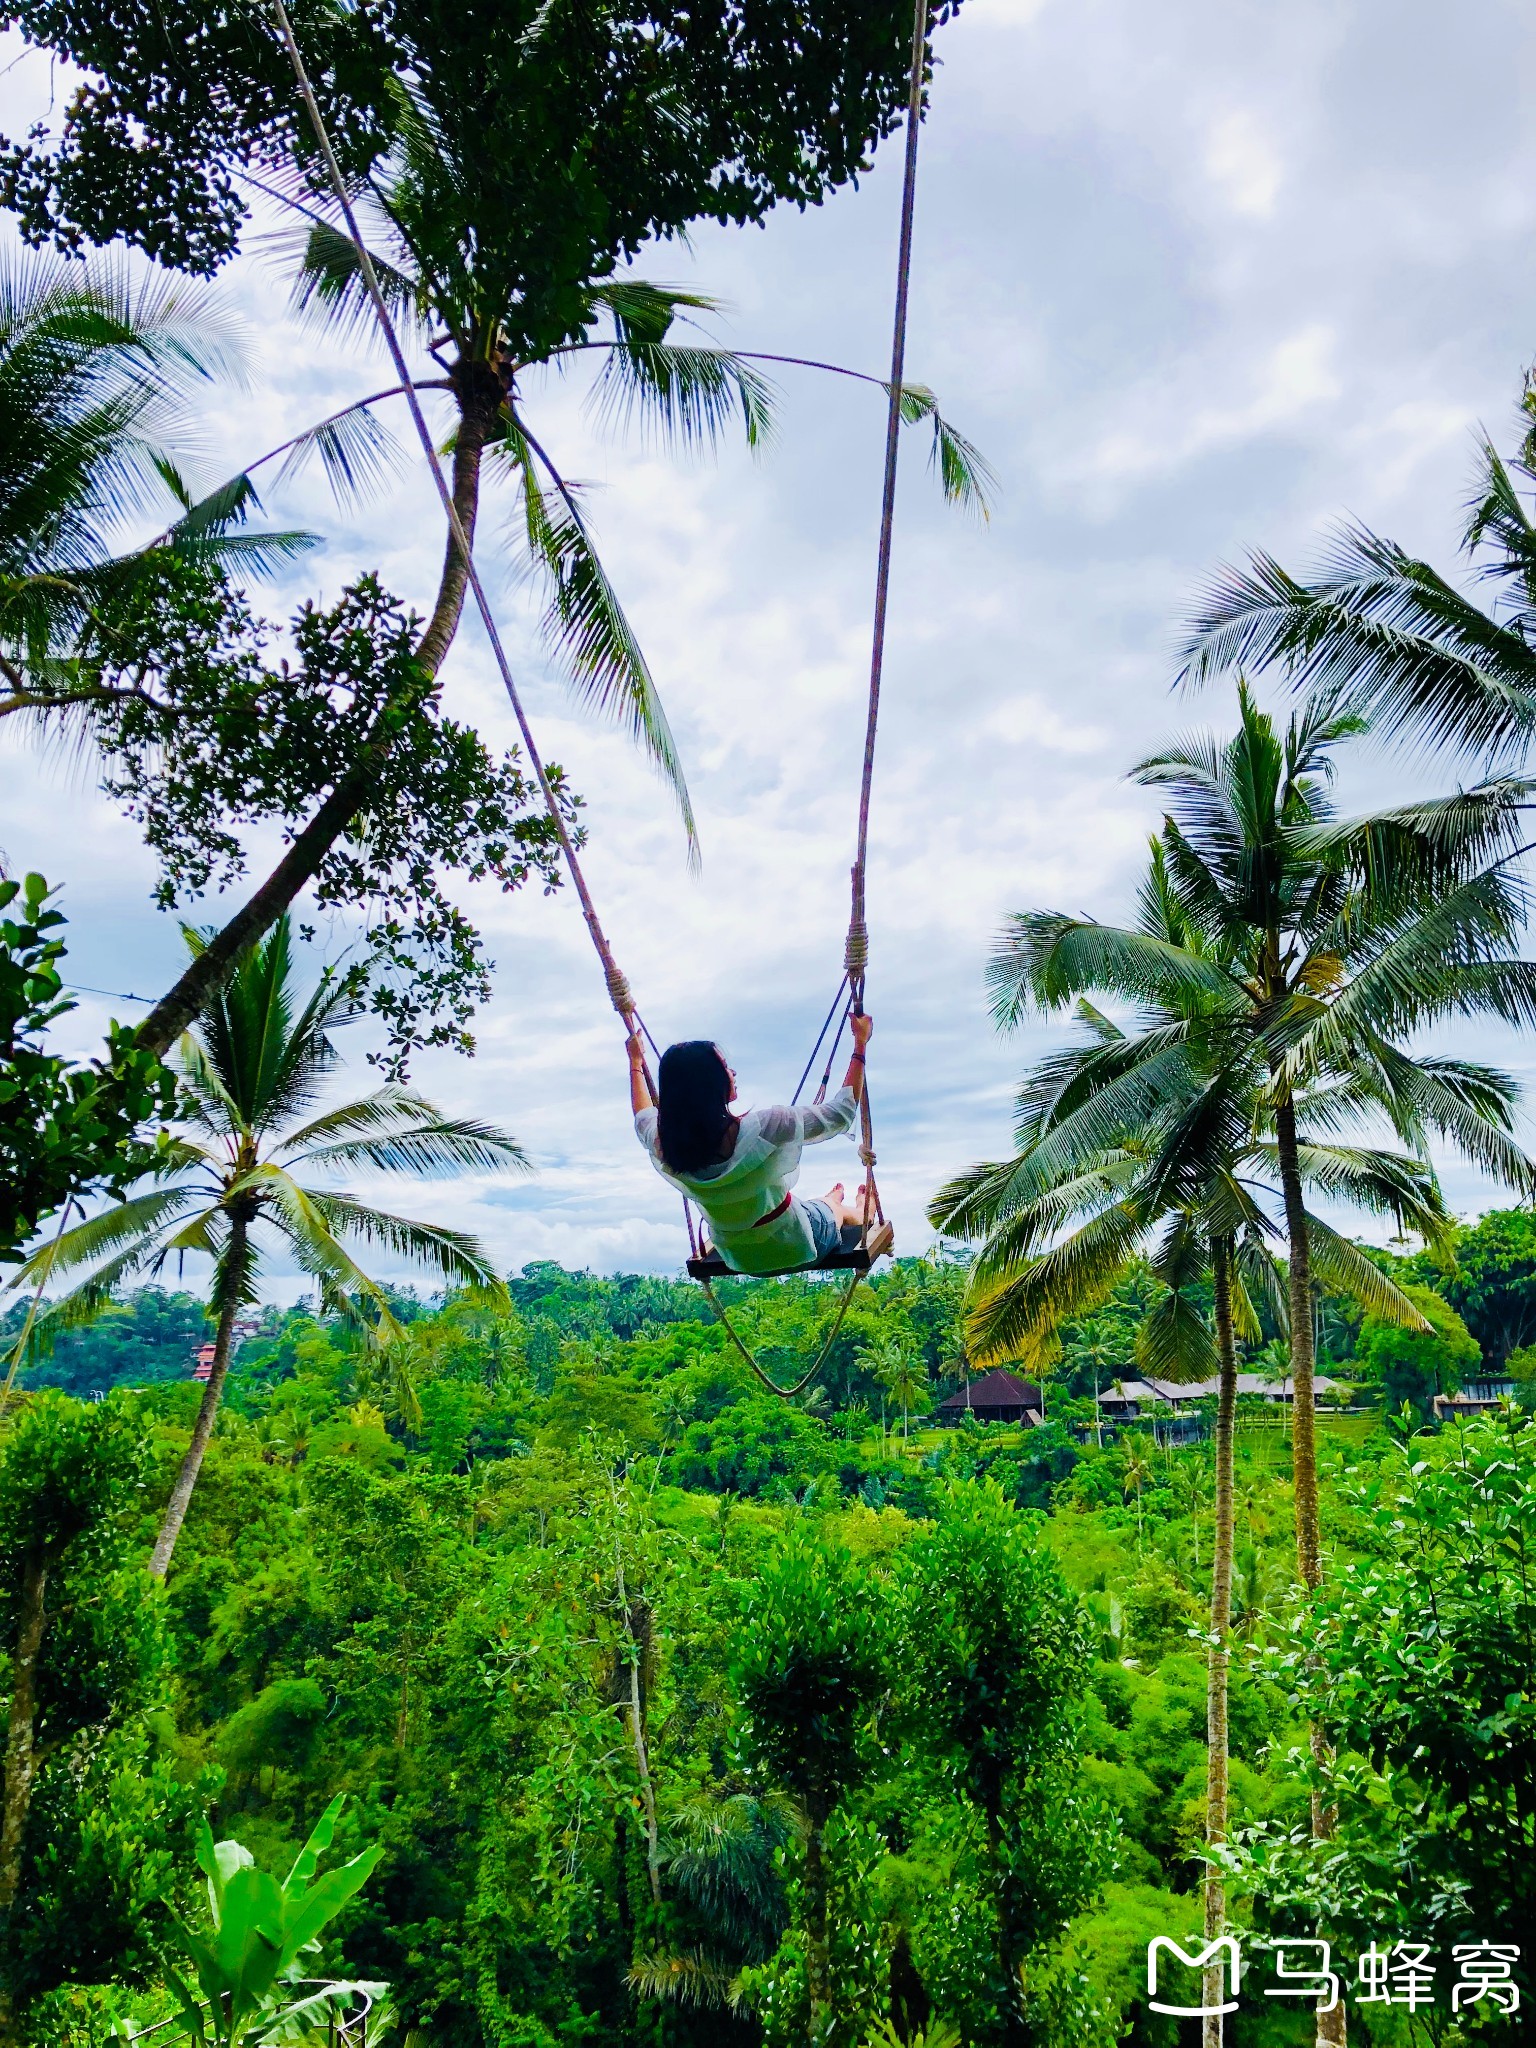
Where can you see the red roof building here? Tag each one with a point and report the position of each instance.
(203, 1366)
(998, 1397)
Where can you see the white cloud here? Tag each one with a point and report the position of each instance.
(1176, 335)
(1243, 164)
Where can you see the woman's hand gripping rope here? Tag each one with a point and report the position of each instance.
(641, 1095)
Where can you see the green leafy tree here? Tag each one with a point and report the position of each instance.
(205, 730)
(1493, 1283)
(577, 140)
(509, 166)
(1419, 1653)
(66, 1129)
(259, 1059)
(810, 1666)
(84, 1811)
(994, 1661)
(1415, 1365)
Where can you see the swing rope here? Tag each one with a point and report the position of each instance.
(856, 948)
(618, 988)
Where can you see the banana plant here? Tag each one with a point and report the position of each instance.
(247, 1965)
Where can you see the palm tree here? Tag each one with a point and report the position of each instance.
(1225, 1100)
(1094, 1350)
(903, 1376)
(1323, 945)
(1135, 1471)
(450, 261)
(102, 378)
(1385, 635)
(257, 1061)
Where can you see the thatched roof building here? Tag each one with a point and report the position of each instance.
(998, 1397)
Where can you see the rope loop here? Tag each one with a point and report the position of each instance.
(618, 990)
(856, 951)
(784, 1393)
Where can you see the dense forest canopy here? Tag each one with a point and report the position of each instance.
(429, 1615)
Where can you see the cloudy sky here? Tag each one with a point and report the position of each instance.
(1197, 278)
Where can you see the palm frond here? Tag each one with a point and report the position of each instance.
(1174, 1342)
(1415, 851)
(689, 1977)
(330, 290)
(1047, 959)
(1263, 1281)
(965, 476)
(139, 1221)
(452, 1253)
(1344, 1269)
(399, 1132)
(1020, 1222)
(1391, 637)
(84, 1303)
(306, 1220)
(687, 396)
(1014, 1311)
(585, 619)
(1469, 1105)
(359, 455)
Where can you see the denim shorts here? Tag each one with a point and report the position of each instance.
(825, 1228)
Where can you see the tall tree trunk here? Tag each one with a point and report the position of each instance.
(181, 1493)
(1303, 1411)
(818, 1961)
(480, 395)
(637, 1627)
(20, 1751)
(636, 1617)
(1221, 1622)
(1330, 2025)
(207, 973)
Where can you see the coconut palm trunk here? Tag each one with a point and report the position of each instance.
(235, 1268)
(480, 396)
(1330, 2025)
(1221, 1621)
(1303, 1409)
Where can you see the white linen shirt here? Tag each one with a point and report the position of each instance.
(764, 1165)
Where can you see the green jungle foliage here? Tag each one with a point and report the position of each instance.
(678, 1714)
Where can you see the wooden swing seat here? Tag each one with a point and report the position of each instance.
(848, 1258)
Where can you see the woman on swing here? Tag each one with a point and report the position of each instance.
(740, 1169)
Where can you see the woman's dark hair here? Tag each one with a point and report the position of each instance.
(693, 1114)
